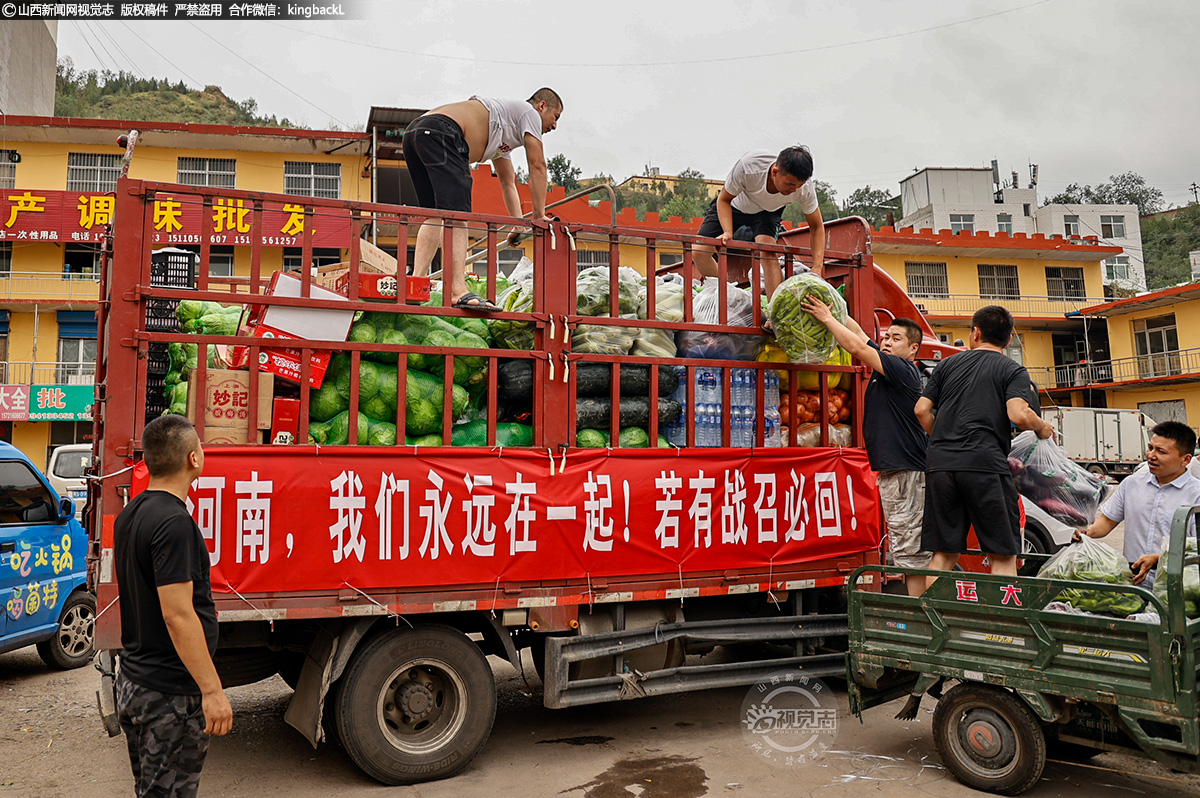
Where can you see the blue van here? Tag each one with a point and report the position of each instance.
(43, 567)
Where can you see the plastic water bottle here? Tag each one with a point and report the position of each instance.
(738, 393)
(771, 389)
(703, 425)
(771, 435)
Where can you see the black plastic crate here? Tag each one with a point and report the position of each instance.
(158, 363)
(155, 386)
(173, 268)
(155, 324)
(154, 410)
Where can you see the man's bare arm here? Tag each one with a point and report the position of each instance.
(187, 635)
(1100, 527)
(1022, 415)
(853, 341)
(725, 214)
(816, 227)
(924, 413)
(508, 185)
(538, 175)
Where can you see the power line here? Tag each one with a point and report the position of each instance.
(82, 35)
(132, 64)
(270, 77)
(713, 60)
(163, 57)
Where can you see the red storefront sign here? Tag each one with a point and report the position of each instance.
(281, 521)
(74, 216)
(14, 402)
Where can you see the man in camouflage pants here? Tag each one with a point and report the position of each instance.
(169, 697)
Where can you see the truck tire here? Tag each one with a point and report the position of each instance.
(989, 739)
(1098, 470)
(416, 704)
(71, 645)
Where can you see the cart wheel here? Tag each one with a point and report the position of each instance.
(989, 739)
(416, 704)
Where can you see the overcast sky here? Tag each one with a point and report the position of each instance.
(1084, 88)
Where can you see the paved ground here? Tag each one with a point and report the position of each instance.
(52, 746)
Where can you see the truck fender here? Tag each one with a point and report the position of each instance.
(323, 665)
(499, 639)
(1049, 709)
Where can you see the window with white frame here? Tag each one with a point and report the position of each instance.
(93, 171)
(8, 169)
(962, 222)
(311, 179)
(321, 256)
(1112, 226)
(1157, 342)
(1071, 225)
(998, 281)
(926, 279)
(76, 360)
(211, 172)
(1004, 222)
(1116, 268)
(1065, 282)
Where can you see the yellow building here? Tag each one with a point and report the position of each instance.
(1155, 354)
(667, 183)
(1044, 281)
(57, 182)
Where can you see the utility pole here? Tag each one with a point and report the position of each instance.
(1195, 189)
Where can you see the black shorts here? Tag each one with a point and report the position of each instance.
(957, 500)
(438, 160)
(763, 223)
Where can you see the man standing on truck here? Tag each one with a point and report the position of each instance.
(1147, 500)
(895, 440)
(169, 697)
(439, 148)
(968, 482)
(758, 187)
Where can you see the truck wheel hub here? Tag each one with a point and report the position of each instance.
(416, 700)
(983, 739)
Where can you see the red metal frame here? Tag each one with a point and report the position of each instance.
(122, 369)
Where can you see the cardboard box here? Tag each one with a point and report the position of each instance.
(232, 436)
(285, 421)
(384, 286)
(372, 258)
(226, 400)
(320, 324)
(285, 361)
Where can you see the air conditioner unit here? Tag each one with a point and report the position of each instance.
(81, 379)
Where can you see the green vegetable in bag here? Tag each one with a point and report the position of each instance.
(1191, 579)
(805, 339)
(1092, 561)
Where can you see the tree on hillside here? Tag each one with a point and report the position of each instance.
(871, 204)
(1166, 244)
(826, 199)
(684, 207)
(691, 184)
(563, 172)
(1127, 188)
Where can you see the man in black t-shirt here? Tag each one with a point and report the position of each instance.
(976, 395)
(895, 440)
(169, 698)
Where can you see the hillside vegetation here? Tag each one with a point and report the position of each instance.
(122, 95)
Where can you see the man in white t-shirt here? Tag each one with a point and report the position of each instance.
(439, 148)
(758, 187)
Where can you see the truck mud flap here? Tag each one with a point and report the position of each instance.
(323, 665)
(561, 690)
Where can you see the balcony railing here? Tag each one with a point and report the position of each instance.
(15, 372)
(1024, 305)
(49, 285)
(1126, 369)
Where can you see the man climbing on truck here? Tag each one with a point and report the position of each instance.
(439, 148)
(895, 440)
(755, 193)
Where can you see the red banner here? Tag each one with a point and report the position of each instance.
(276, 520)
(74, 216)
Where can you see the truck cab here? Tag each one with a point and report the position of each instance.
(43, 567)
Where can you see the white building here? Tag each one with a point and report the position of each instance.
(967, 200)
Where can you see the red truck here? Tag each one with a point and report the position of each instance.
(377, 579)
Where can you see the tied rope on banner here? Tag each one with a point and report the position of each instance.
(266, 617)
(771, 584)
(106, 608)
(495, 593)
(384, 607)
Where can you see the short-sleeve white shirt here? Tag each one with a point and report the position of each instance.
(508, 122)
(747, 181)
(1147, 508)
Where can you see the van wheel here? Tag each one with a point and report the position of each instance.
(1098, 470)
(71, 645)
(989, 739)
(416, 704)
